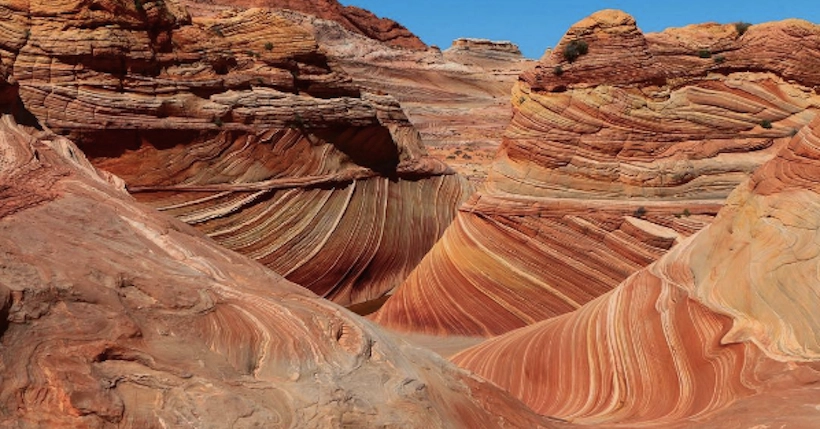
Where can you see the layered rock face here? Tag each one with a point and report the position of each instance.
(239, 126)
(458, 99)
(609, 162)
(725, 322)
(352, 18)
(116, 316)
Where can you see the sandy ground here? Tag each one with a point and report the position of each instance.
(444, 346)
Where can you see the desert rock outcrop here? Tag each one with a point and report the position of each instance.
(609, 161)
(114, 315)
(458, 98)
(352, 18)
(726, 320)
(239, 125)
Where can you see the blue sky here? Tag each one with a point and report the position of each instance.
(538, 24)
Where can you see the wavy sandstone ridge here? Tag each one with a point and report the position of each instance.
(352, 18)
(240, 126)
(730, 313)
(115, 316)
(458, 98)
(606, 165)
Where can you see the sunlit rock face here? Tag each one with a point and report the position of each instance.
(117, 316)
(458, 98)
(725, 322)
(609, 162)
(239, 125)
(352, 18)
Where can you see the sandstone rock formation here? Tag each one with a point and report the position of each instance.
(458, 99)
(352, 18)
(116, 316)
(721, 325)
(608, 163)
(239, 125)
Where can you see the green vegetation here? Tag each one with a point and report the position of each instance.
(575, 49)
(558, 71)
(138, 4)
(218, 122)
(741, 27)
(767, 124)
(268, 46)
(640, 212)
(720, 59)
(687, 213)
(705, 53)
(522, 99)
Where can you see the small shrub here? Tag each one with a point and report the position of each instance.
(793, 132)
(522, 99)
(720, 59)
(575, 49)
(216, 29)
(705, 53)
(251, 53)
(687, 213)
(297, 121)
(640, 212)
(138, 4)
(558, 71)
(741, 27)
(767, 124)
(218, 122)
(268, 46)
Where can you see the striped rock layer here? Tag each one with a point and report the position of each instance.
(608, 164)
(725, 322)
(239, 125)
(116, 316)
(457, 98)
(352, 18)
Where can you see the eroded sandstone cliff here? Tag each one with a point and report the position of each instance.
(239, 125)
(458, 98)
(610, 160)
(725, 322)
(352, 18)
(116, 316)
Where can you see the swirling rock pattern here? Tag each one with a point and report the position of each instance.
(725, 320)
(241, 126)
(457, 98)
(353, 18)
(116, 316)
(606, 166)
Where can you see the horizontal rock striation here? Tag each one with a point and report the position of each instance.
(457, 99)
(352, 18)
(116, 316)
(606, 165)
(241, 126)
(724, 321)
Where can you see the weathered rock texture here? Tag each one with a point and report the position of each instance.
(605, 166)
(116, 316)
(725, 322)
(352, 18)
(457, 99)
(240, 126)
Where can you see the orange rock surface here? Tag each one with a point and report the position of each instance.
(725, 322)
(116, 316)
(458, 98)
(352, 18)
(608, 164)
(239, 125)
